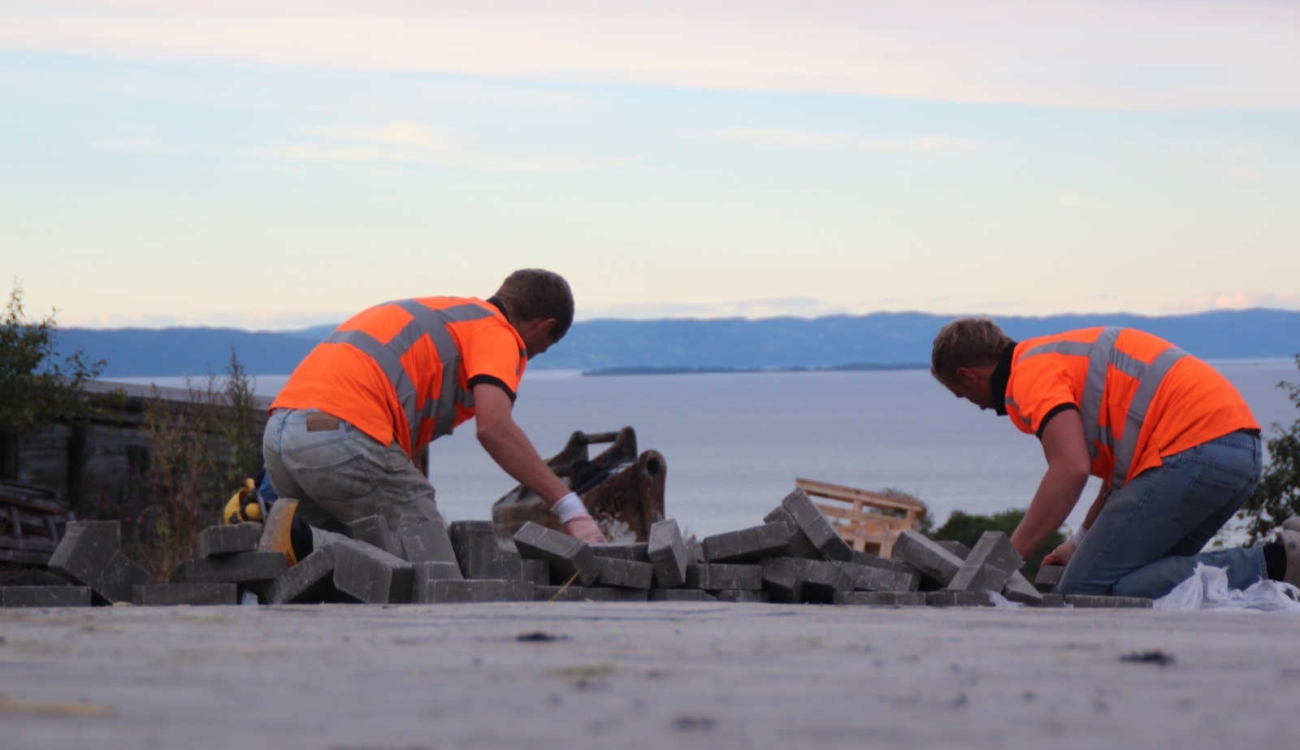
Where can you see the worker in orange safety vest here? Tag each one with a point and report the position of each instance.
(349, 427)
(1175, 445)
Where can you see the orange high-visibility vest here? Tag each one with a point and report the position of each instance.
(1140, 397)
(401, 371)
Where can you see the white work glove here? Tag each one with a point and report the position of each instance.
(578, 523)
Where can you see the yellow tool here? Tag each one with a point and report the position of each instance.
(244, 505)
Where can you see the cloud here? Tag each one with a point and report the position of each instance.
(818, 141)
(770, 307)
(1237, 300)
(1137, 54)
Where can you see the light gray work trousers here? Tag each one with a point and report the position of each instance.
(341, 475)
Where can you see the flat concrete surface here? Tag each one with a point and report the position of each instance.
(654, 675)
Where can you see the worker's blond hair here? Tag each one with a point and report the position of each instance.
(966, 342)
(535, 294)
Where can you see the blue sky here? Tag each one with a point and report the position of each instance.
(281, 163)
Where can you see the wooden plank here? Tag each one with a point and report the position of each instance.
(851, 494)
(25, 557)
(28, 543)
(31, 498)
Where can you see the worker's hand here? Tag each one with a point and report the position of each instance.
(584, 527)
(1061, 555)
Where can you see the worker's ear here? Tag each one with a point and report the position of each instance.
(967, 375)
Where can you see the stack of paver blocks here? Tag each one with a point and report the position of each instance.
(795, 556)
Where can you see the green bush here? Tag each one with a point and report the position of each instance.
(1278, 495)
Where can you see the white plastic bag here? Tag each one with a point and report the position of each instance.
(1207, 588)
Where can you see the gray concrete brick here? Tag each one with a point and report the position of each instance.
(175, 594)
(989, 565)
(1048, 576)
(823, 579)
(448, 591)
(241, 567)
(1088, 601)
(427, 541)
(800, 544)
(741, 596)
(44, 596)
(881, 598)
(872, 578)
(310, 581)
(830, 545)
(474, 545)
(628, 574)
(748, 545)
(371, 575)
(783, 578)
(681, 595)
(559, 593)
(536, 572)
(229, 540)
(90, 554)
(925, 555)
(958, 599)
(954, 546)
(909, 578)
(638, 551)
(667, 552)
(610, 594)
(424, 572)
(374, 530)
(568, 557)
(1051, 600)
(723, 576)
(875, 561)
(694, 551)
(1019, 589)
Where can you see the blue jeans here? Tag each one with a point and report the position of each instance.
(1149, 536)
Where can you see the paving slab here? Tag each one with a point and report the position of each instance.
(645, 676)
(568, 557)
(311, 580)
(1107, 602)
(229, 539)
(192, 594)
(242, 567)
(989, 565)
(666, 550)
(44, 596)
(426, 541)
(629, 574)
(370, 574)
(90, 554)
(1048, 576)
(724, 576)
(748, 545)
(810, 520)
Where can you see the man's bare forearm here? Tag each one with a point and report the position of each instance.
(1057, 494)
(511, 449)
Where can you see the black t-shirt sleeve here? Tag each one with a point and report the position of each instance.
(490, 380)
(1048, 417)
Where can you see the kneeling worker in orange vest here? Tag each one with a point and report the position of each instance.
(347, 428)
(1174, 444)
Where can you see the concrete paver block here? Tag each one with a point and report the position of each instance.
(424, 572)
(875, 561)
(989, 564)
(681, 595)
(310, 581)
(611, 594)
(909, 578)
(667, 552)
(954, 546)
(872, 578)
(90, 554)
(1048, 576)
(559, 593)
(1088, 601)
(474, 545)
(374, 530)
(241, 567)
(924, 554)
(742, 596)
(44, 596)
(536, 572)
(830, 545)
(175, 594)
(1051, 600)
(958, 599)
(822, 580)
(748, 545)
(1019, 589)
(228, 540)
(628, 574)
(800, 544)
(450, 591)
(426, 541)
(638, 551)
(370, 574)
(881, 598)
(724, 576)
(567, 556)
(783, 577)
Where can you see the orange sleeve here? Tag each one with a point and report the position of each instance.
(493, 354)
(1038, 387)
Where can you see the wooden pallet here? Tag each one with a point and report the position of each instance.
(30, 517)
(868, 521)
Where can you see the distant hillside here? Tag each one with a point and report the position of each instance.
(876, 339)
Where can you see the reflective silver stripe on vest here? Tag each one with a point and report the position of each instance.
(424, 322)
(1102, 355)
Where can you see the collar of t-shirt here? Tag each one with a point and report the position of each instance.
(998, 380)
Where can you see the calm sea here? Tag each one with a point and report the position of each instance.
(734, 443)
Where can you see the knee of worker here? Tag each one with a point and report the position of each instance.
(1076, 581)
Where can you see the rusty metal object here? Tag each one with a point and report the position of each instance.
(622, 490)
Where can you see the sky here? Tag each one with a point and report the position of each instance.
(274, 164)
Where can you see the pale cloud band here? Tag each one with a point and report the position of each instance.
(1137, 54)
